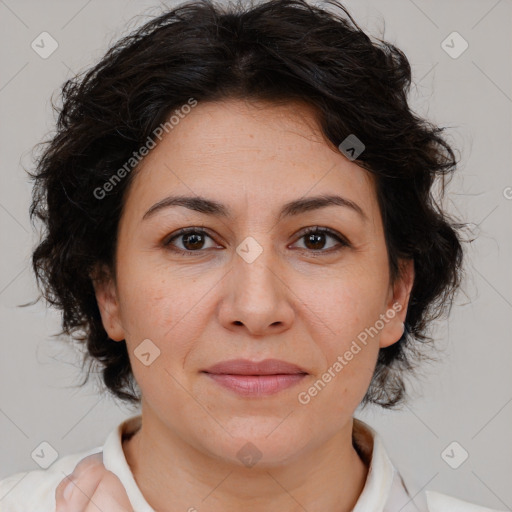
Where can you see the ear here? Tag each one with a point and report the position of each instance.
(108, 303)
(398, 301)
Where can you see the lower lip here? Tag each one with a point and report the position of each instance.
(257, 385)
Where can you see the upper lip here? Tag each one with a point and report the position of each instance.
(247, 367)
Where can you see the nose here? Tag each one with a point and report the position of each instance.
(257, 298)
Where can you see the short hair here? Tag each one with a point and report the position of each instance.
(279, 51)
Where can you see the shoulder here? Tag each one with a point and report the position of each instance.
(438, 502)
(34, 491)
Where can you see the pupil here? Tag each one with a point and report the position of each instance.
(311, 238)
(196, 244)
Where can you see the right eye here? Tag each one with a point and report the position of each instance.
(193, 240)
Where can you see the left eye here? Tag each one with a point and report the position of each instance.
(193, 240)
(316, 236)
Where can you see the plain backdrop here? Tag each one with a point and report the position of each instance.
(463, 403)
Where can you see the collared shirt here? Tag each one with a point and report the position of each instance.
(384, 490)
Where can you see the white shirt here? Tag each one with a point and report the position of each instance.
(384, 490)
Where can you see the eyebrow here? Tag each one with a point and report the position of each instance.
(296, 207)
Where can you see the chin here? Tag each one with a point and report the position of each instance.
(264, 444)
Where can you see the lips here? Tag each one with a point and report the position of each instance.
(252, 379)
(247, 367)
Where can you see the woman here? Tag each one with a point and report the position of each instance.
(240, 230)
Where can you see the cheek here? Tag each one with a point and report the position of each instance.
(341, 316)
(171, 320)
(166, 308)
(341, 306)
(349, 351)
(156, 298)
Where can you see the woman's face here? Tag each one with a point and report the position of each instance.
(251, 283)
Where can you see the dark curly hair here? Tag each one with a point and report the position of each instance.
(278, 51)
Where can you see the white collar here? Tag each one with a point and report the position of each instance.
(376, 492)
(381, 473)
(114, 460)
(384, 489)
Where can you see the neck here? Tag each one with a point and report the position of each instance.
(175, 476)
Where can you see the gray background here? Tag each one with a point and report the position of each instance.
(466, 397)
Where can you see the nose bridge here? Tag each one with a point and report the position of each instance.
(256, 265)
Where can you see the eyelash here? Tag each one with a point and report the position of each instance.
(344, 243)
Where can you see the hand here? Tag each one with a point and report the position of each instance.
(92, 488)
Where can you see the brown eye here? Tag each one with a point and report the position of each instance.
(192, 240)
(315, 239)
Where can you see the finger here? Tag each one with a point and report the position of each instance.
(96, 459)
(109, 496)
(75, 491)
(60, 501)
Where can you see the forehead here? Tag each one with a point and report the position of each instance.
(265, 153)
